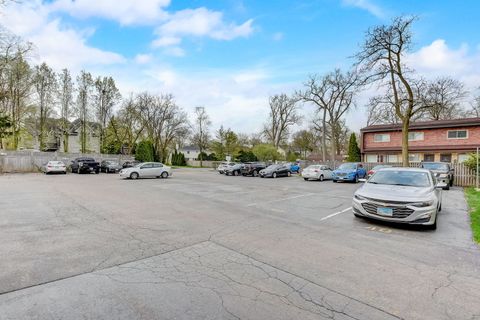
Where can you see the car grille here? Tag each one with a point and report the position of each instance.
(398, 211)
(341, 174)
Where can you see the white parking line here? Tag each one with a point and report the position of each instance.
(284, 199)
(336, 213)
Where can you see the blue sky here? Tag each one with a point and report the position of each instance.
(231, 55)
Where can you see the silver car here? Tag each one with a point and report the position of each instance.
(147, 170)
(317, 172)
(223, 166)
(405, 195)
(54, 167)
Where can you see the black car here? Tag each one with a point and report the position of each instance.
(130, 164)
(275, 170)
(109, 166)
(253, 168)
(85, 165)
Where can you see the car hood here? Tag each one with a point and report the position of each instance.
(394, 193)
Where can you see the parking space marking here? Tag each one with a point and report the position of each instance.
(284, 199)
(336, 213)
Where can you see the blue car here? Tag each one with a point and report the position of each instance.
(349, 172)
(294, 168)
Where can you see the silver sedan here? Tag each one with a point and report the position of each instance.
(54, 167)
(405, 195)
(147, 170)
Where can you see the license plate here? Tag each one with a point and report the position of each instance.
(385, 211)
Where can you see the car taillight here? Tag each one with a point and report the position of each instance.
(370, 172)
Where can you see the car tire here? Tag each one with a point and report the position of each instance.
(447, 187)
(289, 174)
(235, 173)
(306, 179)
(274, 175)
(451, 182)
(433, 226)
(134, 176)
(321, 177)
(97, 171)
(334, 181)
(164, 175)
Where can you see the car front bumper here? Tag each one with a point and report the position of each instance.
(308, 175)
(418, 215)
(344, 178)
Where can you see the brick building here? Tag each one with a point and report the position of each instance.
(442, 140)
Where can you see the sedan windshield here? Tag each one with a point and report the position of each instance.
(435, 166)
(401, 178)
(348, 166)
(273, 167)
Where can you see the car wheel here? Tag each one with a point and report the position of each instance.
(65, 172)
(274, 175)
(164, 175)
(321, 177)
(306, 179)
(447, 187)
(97, 171)
(334, 181)
(255, 173)
(235, 173)
(289, 174)
(433, 226)
(134, 176)
(451, 182)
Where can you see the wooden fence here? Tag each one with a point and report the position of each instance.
(28, 161)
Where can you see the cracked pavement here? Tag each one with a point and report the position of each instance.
(205, 246)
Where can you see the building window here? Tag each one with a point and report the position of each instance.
(457, 134)
(381, 137)
(371, 158)
(429, 157)
(392, 158)
(188, 152)
(414, 157)
(415, 136)
(463, 157)
(446, 157)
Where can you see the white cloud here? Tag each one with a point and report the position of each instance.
(174, 52)
(126, 12)
(57, 45)
(143, 58)
(199, 22)
(367, 5)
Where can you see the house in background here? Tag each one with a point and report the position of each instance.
(192, 152)
(442, 140)
(74, 137)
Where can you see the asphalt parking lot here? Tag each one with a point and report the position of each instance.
(200, 245)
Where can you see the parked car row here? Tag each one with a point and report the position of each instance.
(86, 165)
(258, 169)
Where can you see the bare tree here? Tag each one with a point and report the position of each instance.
(84, 102)
(201, 135)
(442, 99)
(381, 59)
(127, 126)
(380, 110)
(65, 98)
(333, 96)
(475, 106)
(283, 114)
(106, 97)
(45, 84)
(304, 141)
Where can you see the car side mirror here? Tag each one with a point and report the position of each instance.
(441, 185)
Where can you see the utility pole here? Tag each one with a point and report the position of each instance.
(477, 173)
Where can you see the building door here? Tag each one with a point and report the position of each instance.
(429, 157)
(446, 157)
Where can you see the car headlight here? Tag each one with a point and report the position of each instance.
(422, 204)
(359, 197)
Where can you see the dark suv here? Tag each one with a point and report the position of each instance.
(442, 171)
(85, 165)
(253, 168)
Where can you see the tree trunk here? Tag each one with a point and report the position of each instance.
(324, 135)
(405, 127)
(65, 142)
